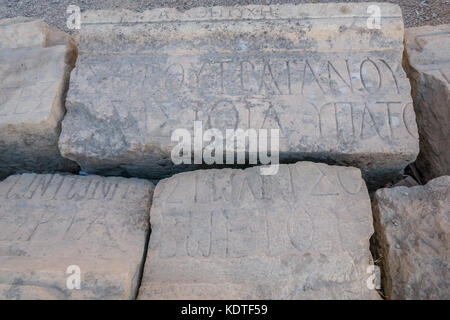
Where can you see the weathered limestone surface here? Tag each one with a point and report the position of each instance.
(334, 88)
(428, 66)
(234, 234)
(22, 32)
(35, 65)
(412, 229)
(50, 222)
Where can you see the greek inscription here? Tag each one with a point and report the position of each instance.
(58, 187)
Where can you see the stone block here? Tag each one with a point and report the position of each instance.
(35, 65)
(412, 228)
(428, 66)
(334, 88)
(50, 222)
(235, 234)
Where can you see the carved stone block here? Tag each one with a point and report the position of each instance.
(50, 223)
(234, 234)
(334, 88)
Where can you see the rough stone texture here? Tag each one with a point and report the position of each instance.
(22, 32)
(412, 229)
(142, 75)
(408, 181)
(35, 65)
(234, 234)
(428, 66)
(415, 12)
(50, 222)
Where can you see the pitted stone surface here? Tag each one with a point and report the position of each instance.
(35, 64)
(50, 222)
(412, 229)
(428, 67)
(140, 76)
(234, 234)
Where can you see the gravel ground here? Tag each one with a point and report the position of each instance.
(415, 12)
